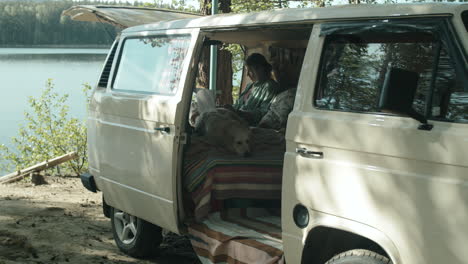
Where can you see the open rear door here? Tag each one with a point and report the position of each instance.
(124, 17)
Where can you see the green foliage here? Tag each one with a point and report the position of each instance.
(241, 6)
(180, 5)
(40, 23)
(49, 132)
(237, 65)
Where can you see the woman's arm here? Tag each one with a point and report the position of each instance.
(259, 101)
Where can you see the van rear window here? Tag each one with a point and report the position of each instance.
(151, 64)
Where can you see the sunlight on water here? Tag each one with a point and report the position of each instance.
(24, 72)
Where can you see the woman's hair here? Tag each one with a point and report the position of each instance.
(257, 60)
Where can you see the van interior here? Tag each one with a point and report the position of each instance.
(232, 204)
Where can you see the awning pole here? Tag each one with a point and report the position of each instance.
(213, 54)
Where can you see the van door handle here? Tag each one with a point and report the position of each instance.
(163, 129)
(310, 154)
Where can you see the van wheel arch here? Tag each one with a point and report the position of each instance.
(330, 242)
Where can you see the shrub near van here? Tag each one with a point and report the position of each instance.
(372, 166)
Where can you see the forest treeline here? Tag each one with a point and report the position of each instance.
(39, 23)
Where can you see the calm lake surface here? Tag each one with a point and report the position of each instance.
(24, 72)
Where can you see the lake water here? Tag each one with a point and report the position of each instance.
(24, 72)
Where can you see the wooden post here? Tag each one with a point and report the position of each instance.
(16, 176)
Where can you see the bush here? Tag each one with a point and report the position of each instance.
(49, 132)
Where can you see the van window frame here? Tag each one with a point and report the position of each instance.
(142, 36)
(108, 63)
(450, 38)
(464, 17)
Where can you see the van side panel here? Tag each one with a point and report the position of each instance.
(421, 205)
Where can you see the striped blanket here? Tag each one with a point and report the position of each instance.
(212, 176)
(249, 235)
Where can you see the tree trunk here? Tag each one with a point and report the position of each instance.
(224, 78)
(205, 7)
(224, 73)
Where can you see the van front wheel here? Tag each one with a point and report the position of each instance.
(359, 256)
(134, 236)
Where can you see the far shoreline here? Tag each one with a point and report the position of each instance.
(61, 46)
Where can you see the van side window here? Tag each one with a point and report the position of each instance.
(151, 64)
(354, 68)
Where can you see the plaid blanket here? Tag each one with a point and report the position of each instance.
(212, 175)
(250, 235)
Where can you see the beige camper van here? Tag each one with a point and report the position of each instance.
(370, 167)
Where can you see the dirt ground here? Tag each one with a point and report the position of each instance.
(62, 222)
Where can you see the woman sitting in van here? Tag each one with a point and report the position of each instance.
(254, 102)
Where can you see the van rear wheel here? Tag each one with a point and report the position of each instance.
(134, 236)
(359, 256)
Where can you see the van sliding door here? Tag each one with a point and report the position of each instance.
(139, 124)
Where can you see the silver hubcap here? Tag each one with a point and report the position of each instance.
(125, 226)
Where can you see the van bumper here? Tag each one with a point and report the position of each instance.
(88, 182)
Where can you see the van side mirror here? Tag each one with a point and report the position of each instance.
(398, 93)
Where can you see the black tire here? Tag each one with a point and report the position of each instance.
(141, 240)
(359, 256)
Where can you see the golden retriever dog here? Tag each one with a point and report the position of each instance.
(224, 127)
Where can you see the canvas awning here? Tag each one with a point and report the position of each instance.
(124, 17)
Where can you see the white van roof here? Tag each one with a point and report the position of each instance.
(297, 15)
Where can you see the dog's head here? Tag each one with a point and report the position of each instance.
(239, 139)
